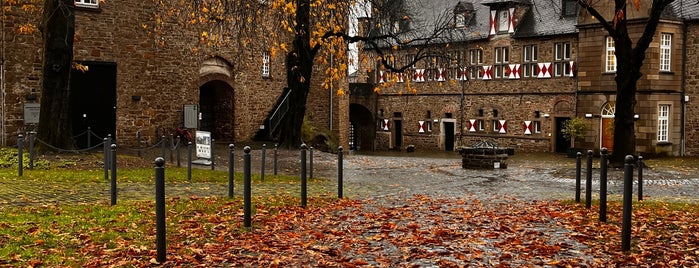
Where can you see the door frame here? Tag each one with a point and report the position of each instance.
(442, 133)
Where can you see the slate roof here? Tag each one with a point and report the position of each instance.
(544, 18)
(684, 9)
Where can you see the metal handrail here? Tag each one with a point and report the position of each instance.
(276, 118)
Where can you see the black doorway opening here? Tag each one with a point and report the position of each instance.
(93, 103)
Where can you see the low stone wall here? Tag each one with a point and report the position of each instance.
(483, 158)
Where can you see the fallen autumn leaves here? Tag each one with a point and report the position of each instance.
(419, 231)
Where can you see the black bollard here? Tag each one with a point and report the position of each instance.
(262, 165)
(106, 159)
(162, 146)
(113, 188)
(32, 138)
(339, 172)
(588, 181)
(20, 153)
(310, 163)
(231, 170)
(213, 154)
(138, 143)
(640, 178)
(171, 147)
(628, 192)
(275, 159)
(89, 137)
(578, 167)
(303, 176)
(177, 147)
(247, 207)
(189, 161)
(160, 208)
(603, 185)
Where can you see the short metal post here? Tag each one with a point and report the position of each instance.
(247, 198)
(160, 209)
(138, 143)
(578, 167)
(628, 196)
(189, 161)
(172, 145)
(303, 176)
(640, 178)
(603, 185)
(310, 163)
(178, 145)
(89, 137)
(213, 154)
(106, 159)
(588, 181)
(339, 172)
(231, 162)
(32, 138)
(162, 146)
(20, 153)
(275, 159)
(113, 188)
(262, 165)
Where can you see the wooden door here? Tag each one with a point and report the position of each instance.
(608, 134)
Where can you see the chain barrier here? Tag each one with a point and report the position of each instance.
(69, 150)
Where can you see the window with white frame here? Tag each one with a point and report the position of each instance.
(663, 122)
(610, 58)
(476, 60)
(665, 51)
(561, 59)
(87, 3)
(537, 126)
(502, 58)
(503, 20)
(531, 56)
(265, 64)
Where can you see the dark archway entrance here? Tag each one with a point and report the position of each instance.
(93, 102)
(562, 144)
(216, 105)
(362, 128)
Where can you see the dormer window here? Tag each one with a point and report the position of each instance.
(503, 20)
(460, 20)
(570, 8)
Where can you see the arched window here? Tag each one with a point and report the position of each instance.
(609, 109)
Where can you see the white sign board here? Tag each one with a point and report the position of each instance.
(190, 116)
(203, 141)
(31, 113)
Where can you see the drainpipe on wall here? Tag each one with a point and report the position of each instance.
(683, 85)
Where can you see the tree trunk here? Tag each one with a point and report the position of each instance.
(627, 76)
(299, 66)
(58, 24)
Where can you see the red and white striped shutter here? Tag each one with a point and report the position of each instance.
(571, 71)
(544, 70)
(382, 78)
(503, 126)
(400, 77)
(487, 72)
(440, 74)
(421, 125)
(515, 71)
(419, 75)
(385, 124)
(493, 21)
(511, 24)
(527, 127)
(472, 125)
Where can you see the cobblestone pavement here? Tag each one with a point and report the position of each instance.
(528, 176)
(401, 174)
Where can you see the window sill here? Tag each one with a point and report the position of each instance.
(88, 8)
(667, 72)
(664, 143)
